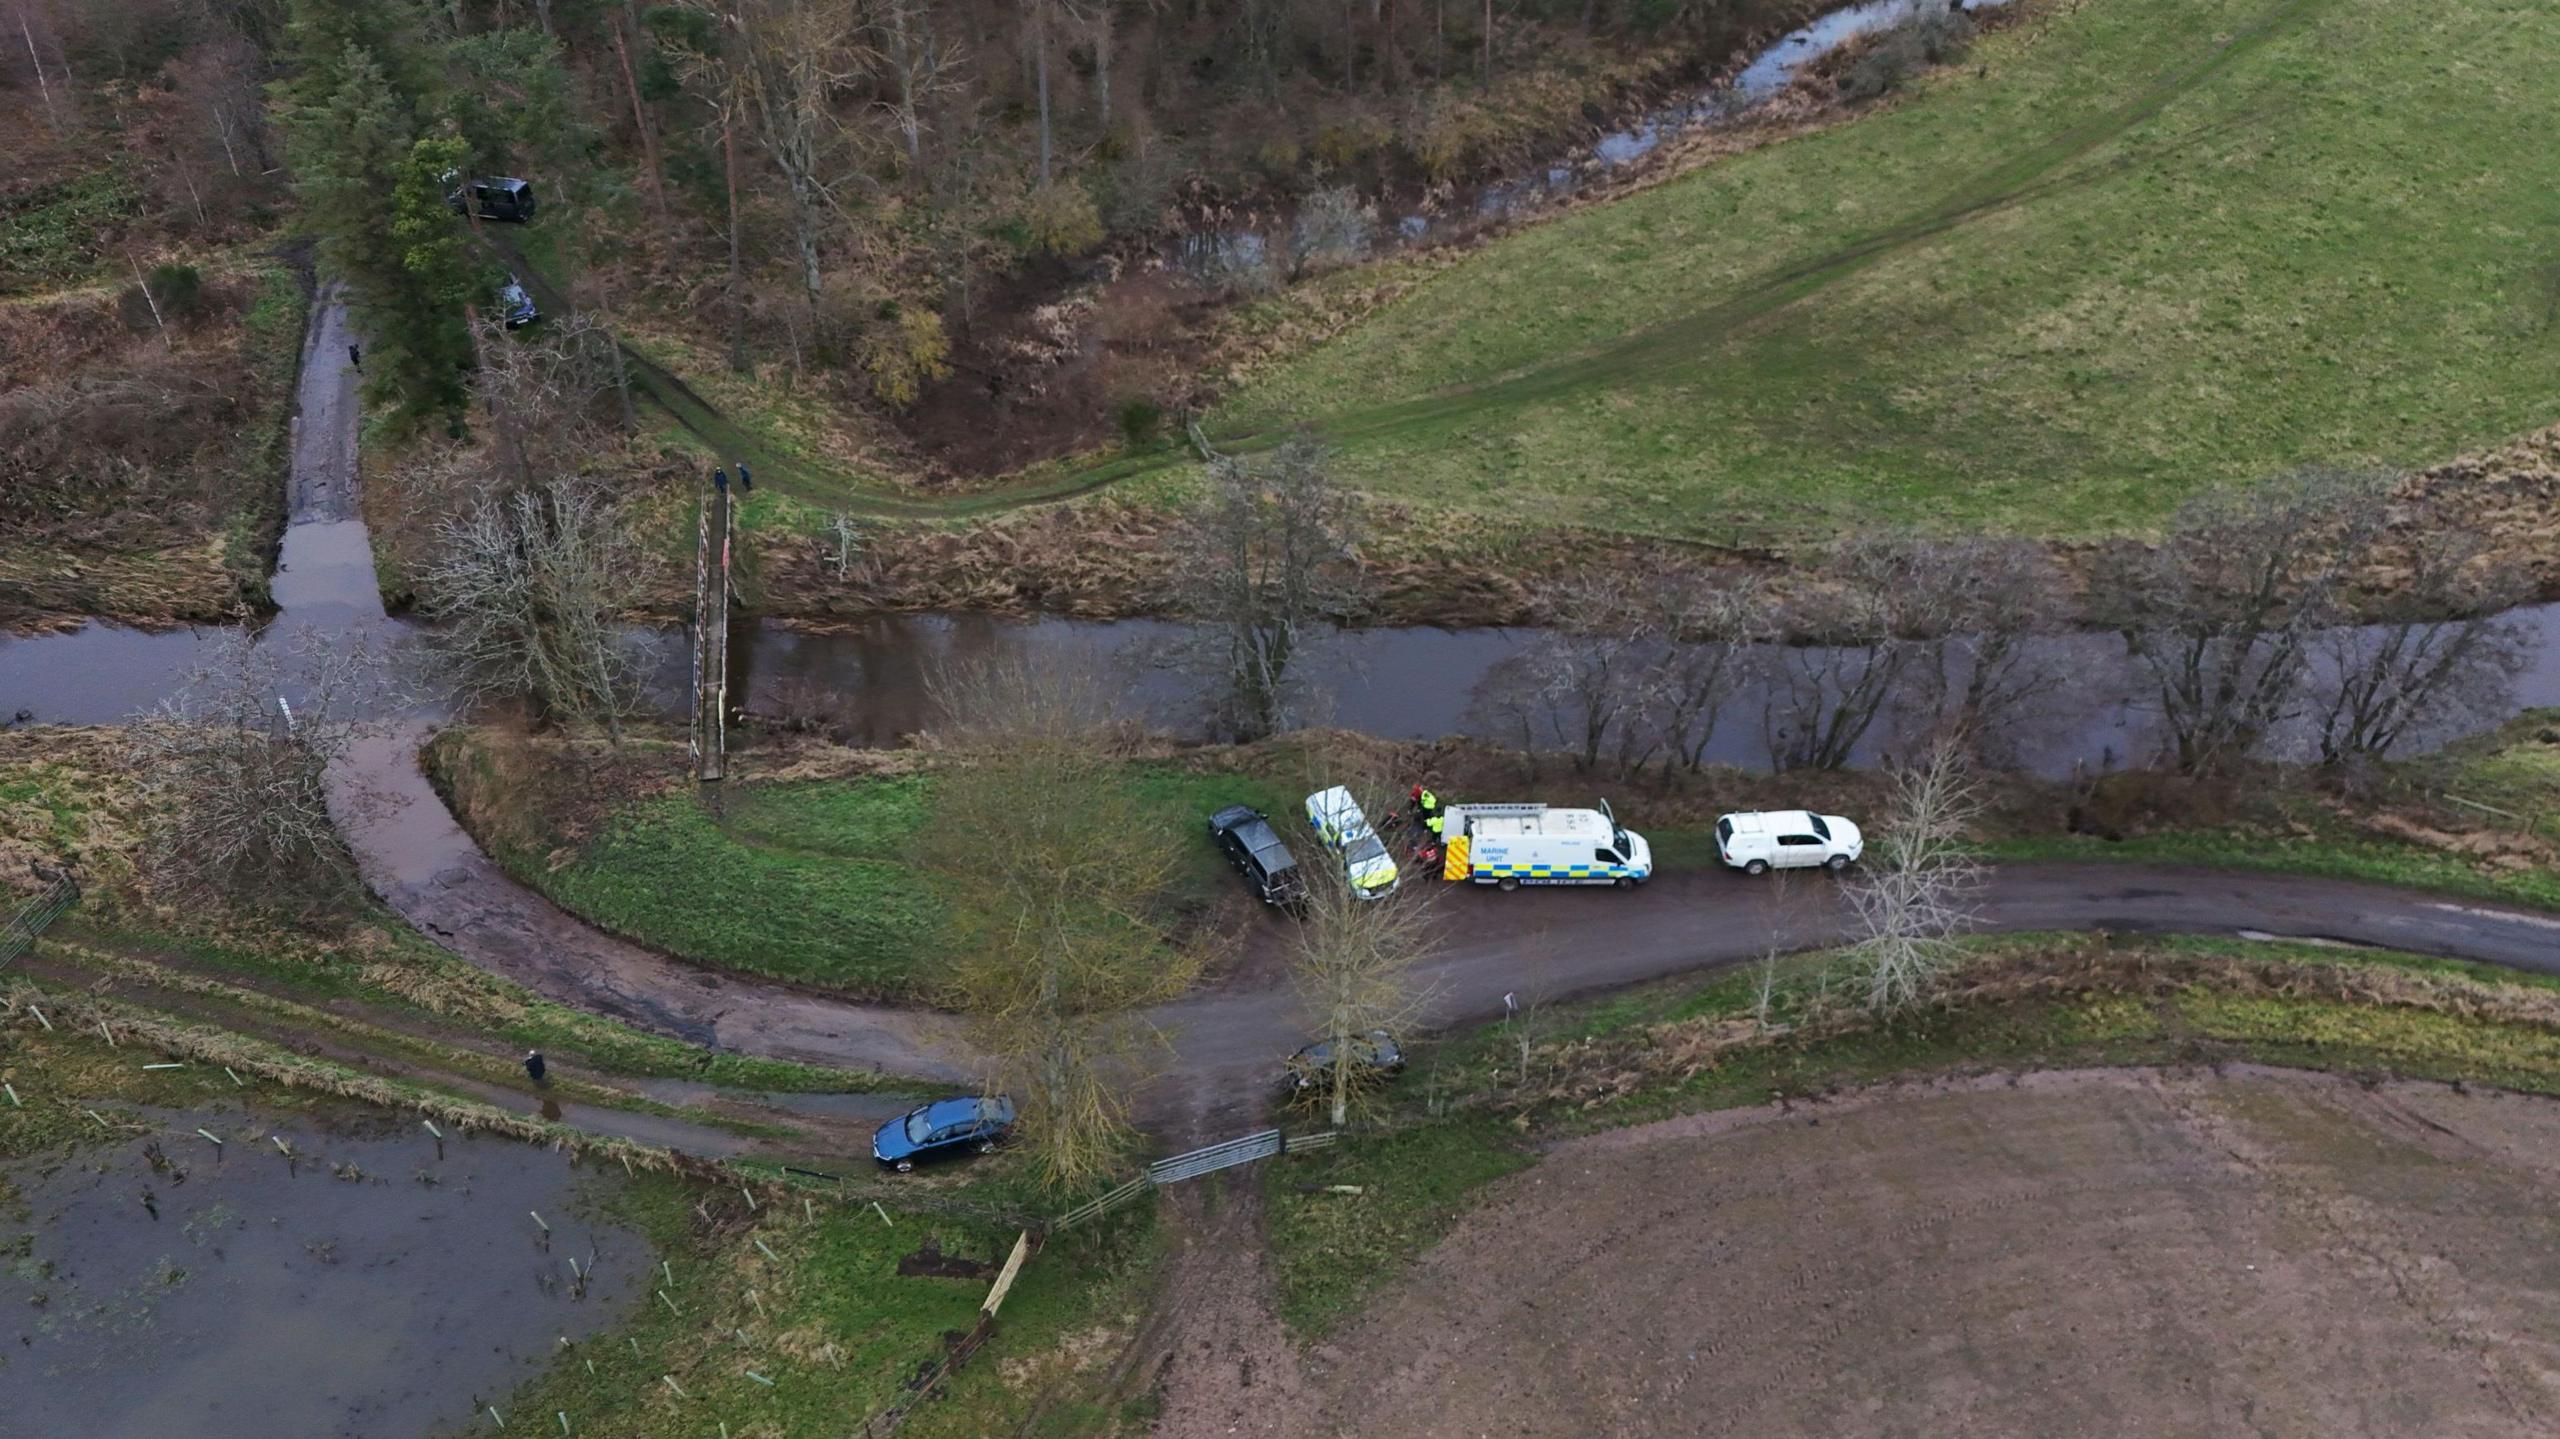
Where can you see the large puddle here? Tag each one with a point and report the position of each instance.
(369, 1288)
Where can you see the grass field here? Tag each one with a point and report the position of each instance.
(1331, 1251)
(812, 1305)
(2125, 251)
(814, 881)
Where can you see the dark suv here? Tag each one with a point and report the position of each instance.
(496, 197)
(1254, 848)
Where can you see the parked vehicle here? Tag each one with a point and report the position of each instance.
(1509, 845)
(1254, 848)
(942, 1129)
(515, 306)
(1375, 1052)
(1760, 841)
(1337, 820)
(496, 197)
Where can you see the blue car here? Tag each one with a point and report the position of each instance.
(516, 307)
(941, 1129)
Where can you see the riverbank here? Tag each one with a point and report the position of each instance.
(799, 875)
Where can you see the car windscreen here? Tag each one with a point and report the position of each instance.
(1820, 828)
(918, 1127)
(1364, 849)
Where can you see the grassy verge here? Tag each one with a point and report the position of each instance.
(810, 881)
(789, 1321)
(2022, 1001)
(2338, 856)
(2126, 251)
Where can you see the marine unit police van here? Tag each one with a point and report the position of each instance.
(1509, 845)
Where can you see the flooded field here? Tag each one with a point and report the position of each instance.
(366, 1287)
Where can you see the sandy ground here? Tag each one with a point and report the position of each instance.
(2111, 1252)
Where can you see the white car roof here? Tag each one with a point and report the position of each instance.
(1337, 808)
(1771, 821)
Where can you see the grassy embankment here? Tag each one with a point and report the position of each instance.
(814, 1305)
(2132, 250)
(1471, 1111)
(815, 881)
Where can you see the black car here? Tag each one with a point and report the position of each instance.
(1254, 848)
(496, 197)
(516, 307)
(1376, 1052)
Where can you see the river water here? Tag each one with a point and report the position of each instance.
(872, 682)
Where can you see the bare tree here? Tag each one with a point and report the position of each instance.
(924, 67)
(544, 389)
(1268, 558)
(777, 69)
(1921, 880)
(1820, 699)
(232, 770)
(528, 590)
(1709, 628)
(1057, 872)
(2221, 614)
(1353, 958)
(2441, 653)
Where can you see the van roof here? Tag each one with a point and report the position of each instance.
(1560, 823)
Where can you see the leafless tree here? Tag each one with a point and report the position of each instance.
(776, 71)
(527, 591)
(1820, 699)
(1976, 606)
(545, 388)
(232, 768)
(1057, 872)
(1353, 958)
(1920, 883)
(924, 66)
(1709, 628)
(2222, 613)
(1264, 561)
(2439, 655)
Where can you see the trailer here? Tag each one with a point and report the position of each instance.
(1509, 845)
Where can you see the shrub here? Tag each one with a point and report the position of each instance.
(1060, 219)
(1332, 230)
(1141, 419)
(905, 354)
(1936, 37)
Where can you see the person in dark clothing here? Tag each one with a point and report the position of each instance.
(355, 357)
(534, 1066)
(720, 481)
(746, 481)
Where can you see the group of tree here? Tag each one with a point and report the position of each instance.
(2305, 614)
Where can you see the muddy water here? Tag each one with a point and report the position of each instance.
(268, 1300)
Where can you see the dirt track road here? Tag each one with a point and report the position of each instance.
(1540, 945)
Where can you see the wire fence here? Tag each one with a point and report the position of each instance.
(19, 934)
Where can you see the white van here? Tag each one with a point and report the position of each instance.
(1336, 818)
(1757, 842)
(1509, 845)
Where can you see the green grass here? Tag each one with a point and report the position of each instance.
(51, 234)
(836, 1329)
(2153, 246)
(1330, 1251)
(2411, 866)
(815, 882)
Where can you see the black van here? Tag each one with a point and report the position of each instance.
(1254, 848)
(497, 197)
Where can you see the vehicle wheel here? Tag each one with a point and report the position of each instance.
(1837, 864)
(1507, 885)
(1622, 882)
(1756, 867)
(986, 1146)
(906, 1166)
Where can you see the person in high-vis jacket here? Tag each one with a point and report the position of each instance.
(1427, 805)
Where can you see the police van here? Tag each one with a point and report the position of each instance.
(1509, 845)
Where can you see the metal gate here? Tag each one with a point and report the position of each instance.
(19, 934)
